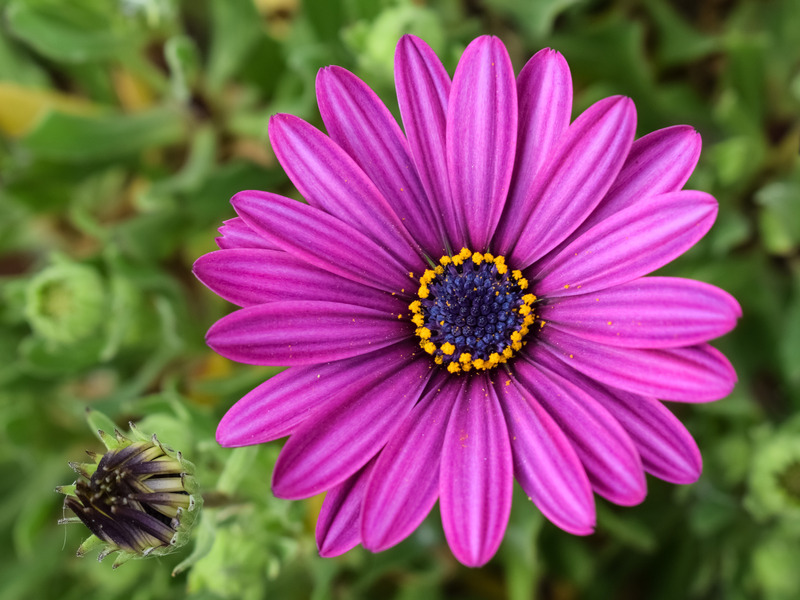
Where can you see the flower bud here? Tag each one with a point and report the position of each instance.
(139, 499)
(65, 302)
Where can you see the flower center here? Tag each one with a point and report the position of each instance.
(472, 313)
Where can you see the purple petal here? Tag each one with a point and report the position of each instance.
(693, 374)
(322, 240)
(629, 244)
(572, 183)
(330, 180)
(248, 276)
(339, 520)
(481, 137)
(658, 163)
(650, 312)
(337, 440)
(405, 484)
(276, 407)
(236, 234)
(668, 451)
(476, 476)
(545, 463)
(291, 333)
(423, 89)
(606, 450)
(544, 92)
(362, 126)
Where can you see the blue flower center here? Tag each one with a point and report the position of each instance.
(472, 313)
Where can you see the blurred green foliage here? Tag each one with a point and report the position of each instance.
(125, 125)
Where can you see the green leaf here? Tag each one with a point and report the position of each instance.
(76, 31)
(75, 139)
(236, 30)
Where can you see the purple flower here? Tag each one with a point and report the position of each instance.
(465, 304)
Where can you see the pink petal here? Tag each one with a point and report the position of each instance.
(423, 89)
(481, 137)
(305, 332)
(606, 450)
(329, 179)
(629, 244)
(322, 240)
(248, 276)
(337, 440)
(668, 451)
(650, 312)
(544, 92)
(276, 407)
(362, 126)
(236, 234)
(476, 476)
(692, 374)
(658, 163)
(571, 184)
(405, 484)
(338, 523)
(545, 463)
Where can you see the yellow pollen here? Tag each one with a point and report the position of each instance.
(516, 336)
(479, 363)
(529, 298)
(523, 284)
(501, 268)
(508, 352)
(523, 310)
(465, 357)
(439, 269)
(424, 333)
(488, 258)
(445, 260)
(465, 253)
(448, 348)
(418, 319)
(477, 258)
(457, 260)
(516, 274)
(415, 306)
(429, 347)
(453, 367)
(423, 291)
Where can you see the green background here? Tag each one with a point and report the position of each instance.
(126, 125)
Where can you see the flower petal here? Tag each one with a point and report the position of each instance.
(362, 126)
(571, 184)
(692, 374)
(236, 234)
(276, 407)
(321, 240)
(658, 163)
(305, 332)
(476, 477)
(650, 312)
(544, 92)
(423, 89)
(606, 450)
(248, 276)
(668, 451)
(338, 523)
(340, 438)
(627, 245)
(545, 463)
(405, 483)
(329, 179)
(481, 137)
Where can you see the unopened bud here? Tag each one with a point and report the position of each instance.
(139, 499)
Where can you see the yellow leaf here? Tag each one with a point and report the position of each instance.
(21, 107)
